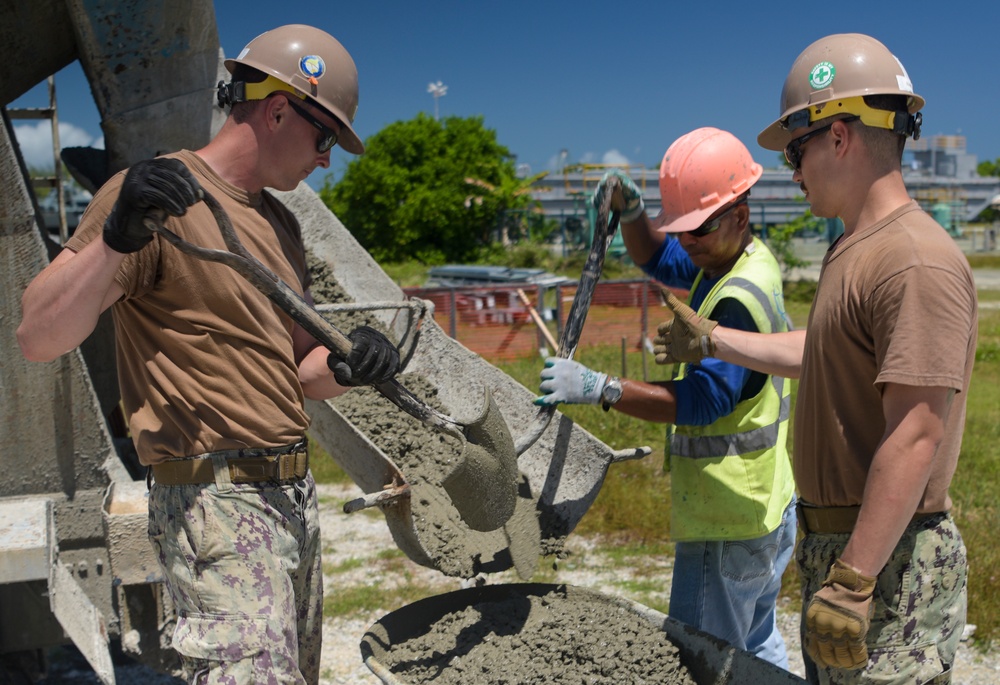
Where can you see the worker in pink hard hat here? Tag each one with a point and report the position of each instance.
(732, 490)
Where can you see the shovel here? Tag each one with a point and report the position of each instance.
(604, 232)
(483, 486)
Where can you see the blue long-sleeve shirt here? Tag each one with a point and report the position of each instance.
(712, 388)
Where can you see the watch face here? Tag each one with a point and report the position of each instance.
(612, 391)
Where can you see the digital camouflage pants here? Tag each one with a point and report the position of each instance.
(919, 604)
(242, 565)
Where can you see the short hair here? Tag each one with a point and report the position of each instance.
(241, 111)
(885, 146)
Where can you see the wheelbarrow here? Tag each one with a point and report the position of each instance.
(560, 473)
(517, 632)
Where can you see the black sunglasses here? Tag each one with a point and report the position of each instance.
(712, 225)
(793, 151)
(327, 136)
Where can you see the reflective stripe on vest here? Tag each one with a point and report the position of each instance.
(712, 446)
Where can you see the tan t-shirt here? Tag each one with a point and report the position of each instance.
(205, 361)
(896, 303)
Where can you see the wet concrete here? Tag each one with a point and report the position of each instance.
(528, 638)
(426, 456)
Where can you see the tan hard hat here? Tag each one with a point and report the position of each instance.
(831, 77)
(315, 65)
(702, 171)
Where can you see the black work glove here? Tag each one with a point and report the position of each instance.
(152, 184)
(372, 359)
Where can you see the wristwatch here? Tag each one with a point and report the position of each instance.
(611, 393)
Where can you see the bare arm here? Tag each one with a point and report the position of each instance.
(641, 239)
(778, 354)
(314, 373)
(654, 402)
(690, 337)
(61, 306)
(915, 418)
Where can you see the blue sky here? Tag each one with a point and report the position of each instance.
(608, 82)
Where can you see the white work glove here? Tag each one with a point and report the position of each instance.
(565, 381)
(629, 203)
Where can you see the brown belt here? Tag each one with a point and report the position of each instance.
(834, 520)
(291, 464)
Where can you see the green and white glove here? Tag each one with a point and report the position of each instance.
(630, 202)
(565, 381)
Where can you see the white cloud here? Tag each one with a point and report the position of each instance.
(612, 158)
(615, 158)
(35, 141)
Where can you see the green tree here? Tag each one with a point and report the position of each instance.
(988, 168)
(513, 222)
(409, 197)
(779, 240)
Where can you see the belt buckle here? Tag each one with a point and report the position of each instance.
(284, 472)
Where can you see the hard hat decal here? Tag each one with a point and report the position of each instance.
(903, 80)
(312, 66)
(822, 75)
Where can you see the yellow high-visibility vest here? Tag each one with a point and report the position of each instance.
(732, 479)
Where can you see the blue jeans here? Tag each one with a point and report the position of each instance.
(728, 588)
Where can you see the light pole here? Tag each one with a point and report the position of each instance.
(437, 90)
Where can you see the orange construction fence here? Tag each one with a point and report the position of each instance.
(494, 322)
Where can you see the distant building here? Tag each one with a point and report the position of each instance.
(940, 175)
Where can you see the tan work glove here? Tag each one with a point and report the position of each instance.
(685, 338)
(838, 618)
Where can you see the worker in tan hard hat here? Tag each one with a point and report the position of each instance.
(213, 374)
(884, 368)
(731, 485)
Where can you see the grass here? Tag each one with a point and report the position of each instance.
(631, 516)
(984, 261)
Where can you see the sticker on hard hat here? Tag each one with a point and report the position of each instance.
(312, 66)
(822, 75)
(903, 80)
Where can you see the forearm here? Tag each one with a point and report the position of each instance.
(316, 378)
(897, 479)
(778, 354)
(895, 485)
(641, 239)
(654, 402)
(61, 306)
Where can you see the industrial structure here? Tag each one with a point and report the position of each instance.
(941, 175)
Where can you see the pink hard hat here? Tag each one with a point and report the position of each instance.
(701, 172)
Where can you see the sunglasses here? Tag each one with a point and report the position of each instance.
(793, 151)
(712, 225)
(327, 136)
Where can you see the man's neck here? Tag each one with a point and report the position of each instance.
(234, 155)
(873, 201)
